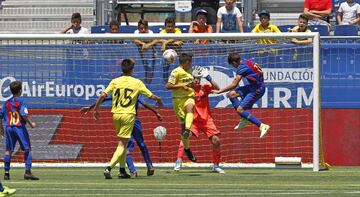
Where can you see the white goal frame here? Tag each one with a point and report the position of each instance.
(34, 38)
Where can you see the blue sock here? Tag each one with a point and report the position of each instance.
(248, 116)
(28, 160)
(1, 187)
(7, 159)
(146, 155)
(130, 162)
(235, 102)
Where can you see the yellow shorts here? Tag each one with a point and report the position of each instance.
(179, 107)
(124, 124)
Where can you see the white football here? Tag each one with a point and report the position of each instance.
(169, 55)
(160, 133)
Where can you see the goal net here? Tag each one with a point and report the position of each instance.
(62, 73)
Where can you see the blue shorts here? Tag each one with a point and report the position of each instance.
(249, 95)
(14, 134)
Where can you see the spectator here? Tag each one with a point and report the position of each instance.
(200, 26)
(169, 28)
(348, 13)
(114, 27)
(229, 18)
(148, 63)
(265, 27)
(75, 27)
(211, 6)
(301, 27)
(318, 11)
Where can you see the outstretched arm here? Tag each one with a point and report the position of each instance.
(171, 86)
(229, 87)
(158, 100)
(85, 110)
(149, 107)
(97, 104)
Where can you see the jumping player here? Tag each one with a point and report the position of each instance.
(181, 84)
(249, 93)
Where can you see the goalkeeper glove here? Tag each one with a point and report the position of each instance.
(197, 71)
(205, 74)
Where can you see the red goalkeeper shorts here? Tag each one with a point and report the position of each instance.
(208, 127)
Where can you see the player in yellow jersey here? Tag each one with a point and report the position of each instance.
(181, 84)
(125, 90)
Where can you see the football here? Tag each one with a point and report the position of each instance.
(169, 55)
(160, 133)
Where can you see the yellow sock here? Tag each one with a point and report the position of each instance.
(122, 160)
(189, 120)
(120, 150)
(186, 142)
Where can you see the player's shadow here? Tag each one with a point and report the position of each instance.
(192, 173)
(254, 173)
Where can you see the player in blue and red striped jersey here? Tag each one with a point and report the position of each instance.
(4, 191)
(249, 94)
(136, 135)
(15, 115)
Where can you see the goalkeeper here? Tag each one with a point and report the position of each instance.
(181, 84)
(249, 93)
(136, 135)
(202, 118)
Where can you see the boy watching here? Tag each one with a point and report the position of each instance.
(348, 13)
(265, 27)
(200, 26)
(75, 27)
(301, 27)
(230, 18)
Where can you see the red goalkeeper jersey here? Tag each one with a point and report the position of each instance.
(202, 108)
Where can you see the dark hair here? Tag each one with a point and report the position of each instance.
(143, 22)
(113, 22)
(184, 57)
(170, 20)
(233, 57)
(15, 87)
(303, 16)
(76, 15)
(127, 65)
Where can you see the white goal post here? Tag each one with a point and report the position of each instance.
(50, 63)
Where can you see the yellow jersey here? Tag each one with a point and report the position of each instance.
(270, 29)
(181, 76)
(177, 31)
(125, 90)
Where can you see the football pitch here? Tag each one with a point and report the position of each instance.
(339, 181)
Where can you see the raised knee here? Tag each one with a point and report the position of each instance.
(232, 94)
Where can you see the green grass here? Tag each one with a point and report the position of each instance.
(339, 181)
